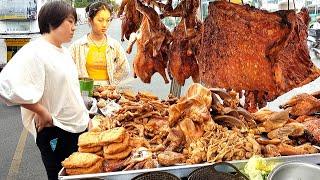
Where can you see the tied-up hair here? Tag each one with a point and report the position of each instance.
(93, 8)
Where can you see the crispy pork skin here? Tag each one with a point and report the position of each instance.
(245, 48)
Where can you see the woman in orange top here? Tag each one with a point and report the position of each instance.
(97, 55)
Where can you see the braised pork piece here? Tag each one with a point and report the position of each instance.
(306, 107)
(185, 44)
(131, 18)
(303, 104)
(264, 53)
(152, 45)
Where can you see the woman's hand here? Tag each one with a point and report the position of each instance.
(43, 117)
(42, 120)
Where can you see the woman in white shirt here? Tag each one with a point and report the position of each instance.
(43, 79)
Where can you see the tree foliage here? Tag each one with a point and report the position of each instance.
(85, 3)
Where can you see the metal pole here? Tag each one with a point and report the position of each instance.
(175, 88)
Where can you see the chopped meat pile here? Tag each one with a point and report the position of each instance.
(254, 50)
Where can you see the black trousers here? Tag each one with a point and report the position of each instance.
(53, 154)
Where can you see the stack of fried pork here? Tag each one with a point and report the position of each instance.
(115, 144)
(89, 143)
(83, 163)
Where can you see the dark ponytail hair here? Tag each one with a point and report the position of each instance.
(93, 8)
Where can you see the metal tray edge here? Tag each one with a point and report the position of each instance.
(185, 170)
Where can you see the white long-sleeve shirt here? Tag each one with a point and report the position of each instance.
(41, 72)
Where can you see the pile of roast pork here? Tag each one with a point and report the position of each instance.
(237, 47)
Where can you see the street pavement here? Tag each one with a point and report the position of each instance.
(19, 156)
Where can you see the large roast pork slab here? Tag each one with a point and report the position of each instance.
(245, 48)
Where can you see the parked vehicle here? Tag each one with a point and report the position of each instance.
(314, 12)
(18, 25)
(314, 41)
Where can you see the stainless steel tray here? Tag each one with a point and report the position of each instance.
(295, 170)
(184, 170)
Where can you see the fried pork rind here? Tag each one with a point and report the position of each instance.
(262, 115)
(147, 95)
(114, 165)
(89, 139)
(199, 92)
(90, 149)
(99, 153)
(289, 150)
(120, 155)
(80, 160)
(117, 147)
(292, 129)
(96, 123)
(169, 158)
(95, 168)
(137, 142)
(194, 105)
(112, 135)
(129, 95)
